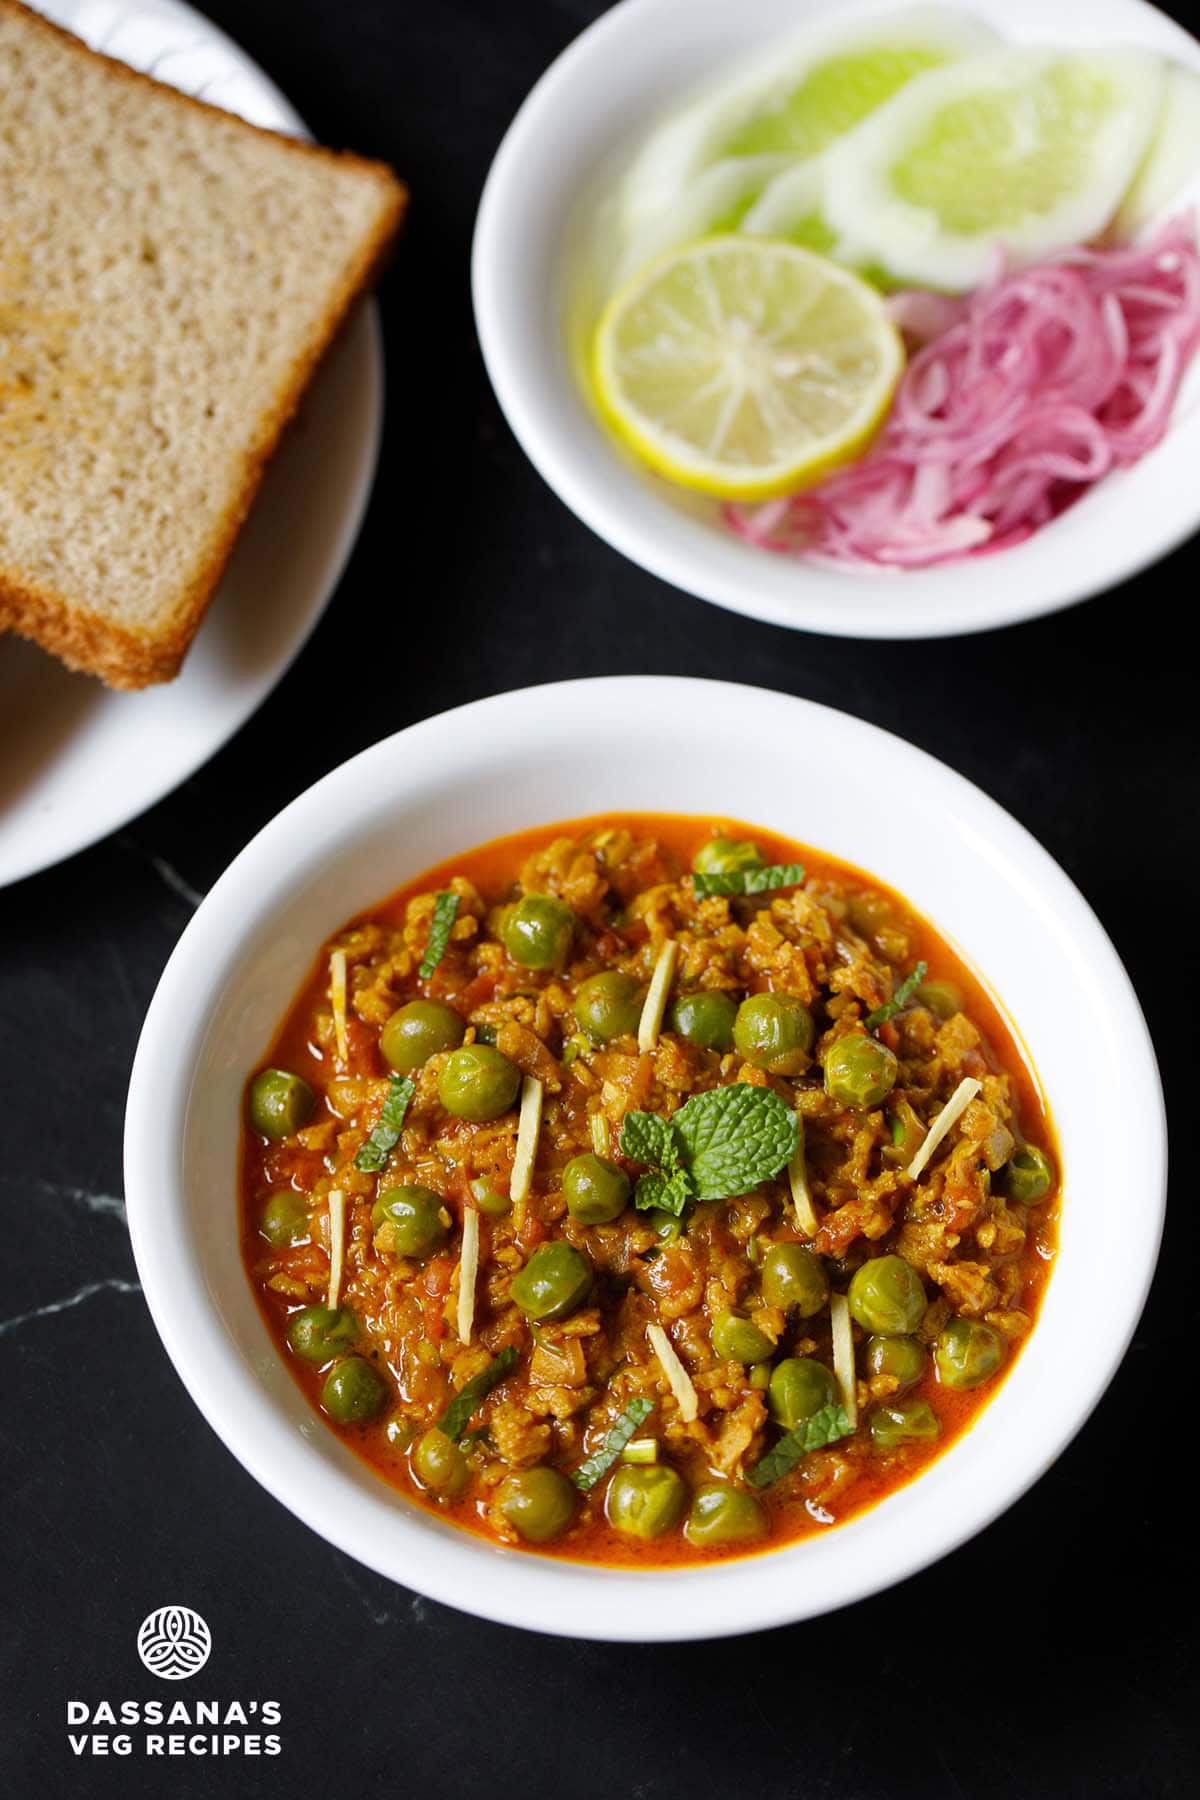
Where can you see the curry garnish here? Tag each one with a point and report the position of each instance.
(720, 1143)
(899, 999)
(622, 1432)
(386, 1134)
(825, 1427)
(747, 881)
(457, 1416)
(445, 911)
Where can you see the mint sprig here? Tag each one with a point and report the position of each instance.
(445, 911)
(457, 1416)
(386, 1135)
(646, 1138)
(724, 1142)
(899, 999)
(664, 1193)
(602, 1460)
(826, 1426)
(749, 881)
(667, 1186)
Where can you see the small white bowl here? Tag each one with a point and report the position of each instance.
(641, 744)
(592, 105)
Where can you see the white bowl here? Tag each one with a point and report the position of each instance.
(640, 743)
(593, 103)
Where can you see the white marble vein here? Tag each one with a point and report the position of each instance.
(110, 1205)
(174, 879)
(167, 873)
(112, 1284)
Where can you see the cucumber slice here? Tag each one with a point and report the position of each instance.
(1172, 161)
(791, 207)
(717, 200)
(1028, 149)
(793, 99)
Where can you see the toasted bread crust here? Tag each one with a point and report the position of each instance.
(67, 625)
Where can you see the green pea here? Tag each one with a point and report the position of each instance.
(735, 1339)
(901, 1358)
(1029, 1175)
(705, 1019)
(415, 1220)
(555, 1281)
(608, 1005)
(774, 1032)
(478, 1083)
(645, 1501)
(538, 1503)
(318, 1334)
(418, 1031)
(667, 1225)
(886, 1296)
(871, 914)
(799, 1387)
(596, 1190)
(941, 997)
(899, 1422)
(488, 1201)
(967, 1353)
(280, 1103)
(284, 1220)
(725, 856)
(353, 1391)
(721, 1514)
(440, 1465)
(538, 930)
(860, 1072)
(794, 1278)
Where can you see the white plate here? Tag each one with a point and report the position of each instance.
(641, 744)
(587, 114)
(79, 760)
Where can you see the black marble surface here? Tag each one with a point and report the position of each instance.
(1053, 1656)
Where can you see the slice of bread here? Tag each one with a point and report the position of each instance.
(169, 278)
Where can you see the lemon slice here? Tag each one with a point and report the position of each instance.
(745, 368)
(1028, 149)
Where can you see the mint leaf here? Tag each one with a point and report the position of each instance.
(386, 1135)
(825, 1427)
(668, 1193)
(445, 910)
(646, 1138)
(602, 1460)
(899, 999)
(667, 1186)
(734, 1138)
(720, 1144)
(749, 881)
(457, 1416)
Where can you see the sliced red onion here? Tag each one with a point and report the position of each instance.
(1017, 399)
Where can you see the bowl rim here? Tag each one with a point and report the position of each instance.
(518, 1588)
(1080, 555)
